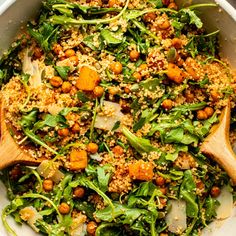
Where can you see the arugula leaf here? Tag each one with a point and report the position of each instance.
(45, 35)
(84, 181)
(141, 145)
(36, 139)
(108, 229)
(156, 3)
(211, 205)
(201, 83)
(63, 71)
(10, 62)
(82, 97)
(187, 192)
(190, 107)
(175, 135)
(207, 124)
(28, 120)
(51, 121)
(112, 38)
(178, 148)
(194, 19)
(89, 41)
(129, 215)
(116, 126)
(104, 175)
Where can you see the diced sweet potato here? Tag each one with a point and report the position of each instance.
(174, 73)
(78, 159)
(88, 79)
(141, 170)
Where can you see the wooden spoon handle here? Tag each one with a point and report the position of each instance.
(10, 152)
(218, 147)
(223, 154)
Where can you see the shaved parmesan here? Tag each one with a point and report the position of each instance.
(109, 116)
(226, 204)
(78, 226)
(176, 218)
(30, 215)
(49, 170)
(32, 69)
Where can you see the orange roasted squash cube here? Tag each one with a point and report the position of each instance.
(88, 79)
(78, 159)
(141, 170)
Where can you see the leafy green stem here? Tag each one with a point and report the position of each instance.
(144, 30)
(68, 20)
(37, 140)
(202, 5)
(36, 195)
(4, 221)
(93, 120)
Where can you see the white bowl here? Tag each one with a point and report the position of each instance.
(15, 13)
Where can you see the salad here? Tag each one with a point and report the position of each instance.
(116, 96)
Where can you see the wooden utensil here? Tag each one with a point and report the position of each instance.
(10, 152)
(218, 147)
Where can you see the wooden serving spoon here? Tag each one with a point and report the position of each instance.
(10, 151)
(218, 147)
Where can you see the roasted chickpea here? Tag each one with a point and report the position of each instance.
(75, 128)
(91, 227)
(149, 17)
(143, 67)
(165, 2)
(125, 106)
(167, 104)
(66, 87)
(92, 148)
(189, 96)
(160, 181)
(201, 115)
(163, 190)
(116, 67)
(38, 52)
(117, 150)
(127, 90)
(134, 55)
(79, 192)
(173, 6)
(215, 96)
(16, 172)
(215, 191)
(112, 3)
(174, 73)
(163, 202)
(47, 185)
(209, 111)
(163, 234)
(69, 53)
(177, 43)
(113, 90)
(74, 60)
(56, 81)
(98, 91)
(164, 25)
(64, 208)
(63, 132)
(57, 48)
(137, 76)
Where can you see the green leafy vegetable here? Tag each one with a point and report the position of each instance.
(63, 71)
(188, 193)
(140, 144)
(45, 35)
